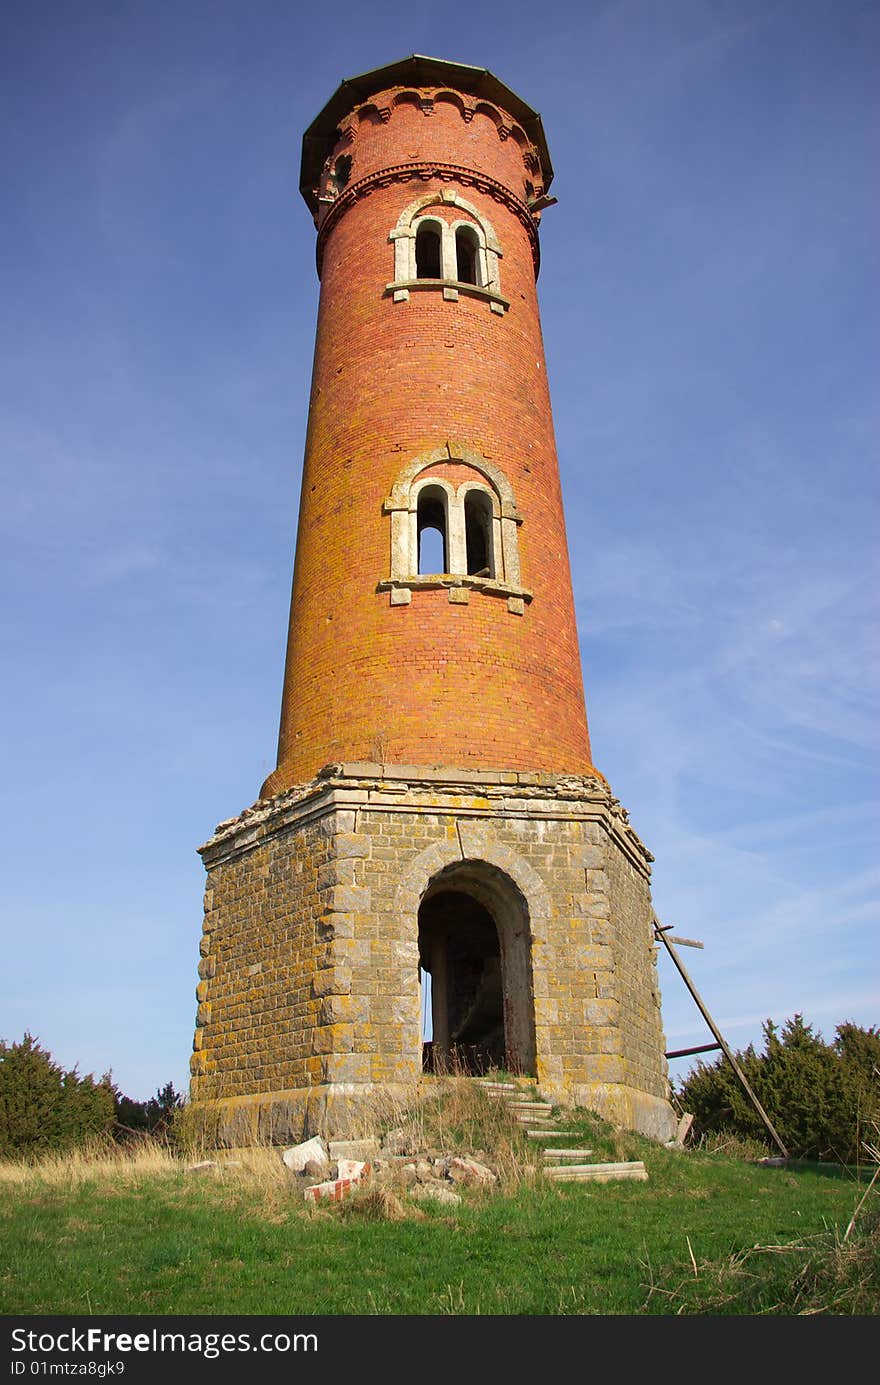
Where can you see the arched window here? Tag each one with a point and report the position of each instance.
(461, 538)
(428, 258)
(467, 249)
(478, 534)
(445, 254)
(432, 532)
(341, 172)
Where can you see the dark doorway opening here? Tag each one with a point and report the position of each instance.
(460, 950)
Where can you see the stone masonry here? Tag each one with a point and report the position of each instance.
(309, 997)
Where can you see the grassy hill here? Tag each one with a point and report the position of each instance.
(136, 1233)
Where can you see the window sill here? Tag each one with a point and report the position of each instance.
(459, 588)
(451, 290)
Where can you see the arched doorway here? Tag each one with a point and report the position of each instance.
(475, 946)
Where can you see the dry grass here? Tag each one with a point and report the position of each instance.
(381, 1203)
(104, 1163)
(455, 1115)
(822, 1274)
(734, 1146)
(446, 1115)
(95, 1161)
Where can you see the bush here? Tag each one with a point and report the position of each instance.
(821, 1097)
(43, 1108)
(153, 1117)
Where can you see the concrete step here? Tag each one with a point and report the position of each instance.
(596, 1173)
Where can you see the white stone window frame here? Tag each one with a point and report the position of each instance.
(402, 505)
(489, 252)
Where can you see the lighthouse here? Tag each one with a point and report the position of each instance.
(435, 839)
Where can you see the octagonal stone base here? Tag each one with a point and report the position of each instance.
(309, 1000)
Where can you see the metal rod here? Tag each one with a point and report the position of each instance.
(661, 932)
(686, 1052)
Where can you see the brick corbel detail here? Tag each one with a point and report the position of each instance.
(406, 173)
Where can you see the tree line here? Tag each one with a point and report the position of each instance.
(823, 1098)
(44, 1109)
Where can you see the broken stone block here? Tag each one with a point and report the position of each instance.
(398, 1142)
(471, 1171)
(353, 1169)
(298, 1156)
(424, 1171)
(354, 1149)
(436, 1192)
(335, 1189)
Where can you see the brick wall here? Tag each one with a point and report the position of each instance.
(431, 681)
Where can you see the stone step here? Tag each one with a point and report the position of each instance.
(534, 1134)
(517, 1084)
(526, 1105)
(552, 1155)
(596, 1173)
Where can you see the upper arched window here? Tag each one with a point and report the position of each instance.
(428, 251)
(455, 254)
(467, 250)
(478, 534)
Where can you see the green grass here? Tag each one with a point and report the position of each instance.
(161, 1241)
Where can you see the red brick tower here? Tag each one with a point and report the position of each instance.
(430, 408)
(434, 801)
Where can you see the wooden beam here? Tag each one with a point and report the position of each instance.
(686, 1052)
(660, 932)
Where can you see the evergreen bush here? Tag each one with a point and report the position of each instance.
(821, 1097)
(43, 1108)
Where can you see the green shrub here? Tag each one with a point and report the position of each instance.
(154, 1117)
(821, 1097)
(43, 1108)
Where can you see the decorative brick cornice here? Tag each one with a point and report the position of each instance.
(424, 172)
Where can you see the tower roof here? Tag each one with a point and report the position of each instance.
(418, 71)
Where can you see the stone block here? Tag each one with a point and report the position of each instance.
(351, 844)
(331, 981)
(349, 899)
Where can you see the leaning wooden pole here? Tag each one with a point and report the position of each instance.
(660, 932)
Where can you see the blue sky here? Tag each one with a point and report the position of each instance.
(708, 292)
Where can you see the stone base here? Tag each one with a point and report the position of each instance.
(356, 1111)
(527, 898)
(336, 1111)
(630, 1110)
